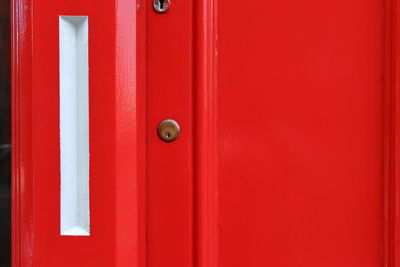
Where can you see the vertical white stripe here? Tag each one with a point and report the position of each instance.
(74, 125)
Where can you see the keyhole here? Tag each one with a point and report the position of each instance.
(168, 130)
(162, 4)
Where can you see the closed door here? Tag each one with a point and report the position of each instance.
(285, 114)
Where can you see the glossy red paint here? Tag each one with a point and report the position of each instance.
(114, 135)
(300, 133)
(22, 182)
(288, 154)
(169, 165)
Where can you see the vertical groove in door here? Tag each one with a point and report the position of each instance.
(74, 125)
(390, 239)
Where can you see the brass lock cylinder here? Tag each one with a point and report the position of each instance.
(168, 130)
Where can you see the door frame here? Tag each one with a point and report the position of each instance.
(206, 239)
(22, 185)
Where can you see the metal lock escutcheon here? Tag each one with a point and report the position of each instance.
(161, 6)
(168, 130)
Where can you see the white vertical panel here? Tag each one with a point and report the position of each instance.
(74, 125)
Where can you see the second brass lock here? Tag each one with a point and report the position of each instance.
(168, 130)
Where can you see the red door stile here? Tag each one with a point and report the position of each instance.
(115, 111)
(130, 135)
(169, 180)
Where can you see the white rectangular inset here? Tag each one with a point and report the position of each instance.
(74, 125)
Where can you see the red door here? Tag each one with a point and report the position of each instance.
(287, 152)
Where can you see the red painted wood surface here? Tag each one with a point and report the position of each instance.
(114, 136)
(288, 153)
(169, 183)
(300, 133)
